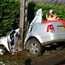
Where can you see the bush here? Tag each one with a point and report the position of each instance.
(10, 11)
(60, 10)
(9, 15)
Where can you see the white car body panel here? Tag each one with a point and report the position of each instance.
(3, 41)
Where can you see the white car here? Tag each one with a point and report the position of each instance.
(43, 33)
(40, 33)
(8, 43)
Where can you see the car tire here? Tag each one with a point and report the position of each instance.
(2, 51)
(35, 48)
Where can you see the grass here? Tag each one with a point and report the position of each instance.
(24, 57)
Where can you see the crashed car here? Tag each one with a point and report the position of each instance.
(40, 33)
(8, 43)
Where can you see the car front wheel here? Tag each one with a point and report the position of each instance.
(35, 48)
(2, 51)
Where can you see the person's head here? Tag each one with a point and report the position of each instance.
(51, 12)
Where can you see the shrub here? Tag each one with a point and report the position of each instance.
(9, 15)
(59, 9)
(10, 11)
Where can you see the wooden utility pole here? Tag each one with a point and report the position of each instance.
(21, 24)
(23, 19)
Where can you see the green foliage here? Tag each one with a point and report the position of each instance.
(10, 12)
(31, 11)
(59, 9)
(9, 15)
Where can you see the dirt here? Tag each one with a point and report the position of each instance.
(50, 57)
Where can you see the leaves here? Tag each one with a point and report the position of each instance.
(9, 13)
(59, 9)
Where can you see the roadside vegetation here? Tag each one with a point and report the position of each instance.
(9, 19)
(10, 13)
(33, 7)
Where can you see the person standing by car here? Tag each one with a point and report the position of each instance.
(52, 15)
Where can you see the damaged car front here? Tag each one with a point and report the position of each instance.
(8, 43)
